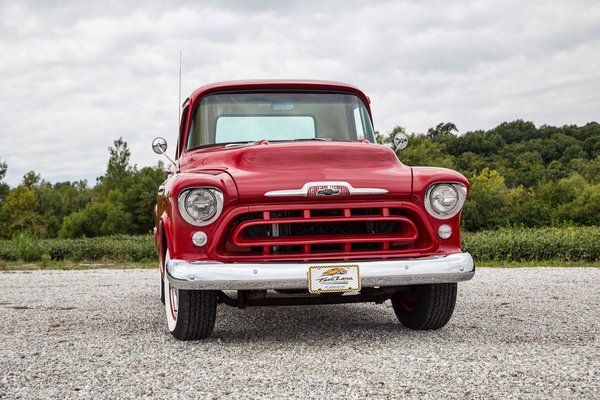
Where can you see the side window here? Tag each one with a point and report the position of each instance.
(358, 124)
(180, 143)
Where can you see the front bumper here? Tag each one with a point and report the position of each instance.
(259, 276)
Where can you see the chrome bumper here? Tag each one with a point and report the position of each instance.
(277, 275)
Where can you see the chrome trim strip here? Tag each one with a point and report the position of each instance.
(278, 275)
(304, 190)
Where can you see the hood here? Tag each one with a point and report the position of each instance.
(272, 167)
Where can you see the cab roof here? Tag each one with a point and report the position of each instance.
(278, 84)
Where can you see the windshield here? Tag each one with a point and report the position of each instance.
(248, 117)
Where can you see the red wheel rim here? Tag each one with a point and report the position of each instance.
(408, 299)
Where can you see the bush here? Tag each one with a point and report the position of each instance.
(109, 248)
(562, 244)
(27, 248)
(543, 244)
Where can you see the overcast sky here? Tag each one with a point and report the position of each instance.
(74, 76)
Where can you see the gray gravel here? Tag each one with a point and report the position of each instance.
(516, 333)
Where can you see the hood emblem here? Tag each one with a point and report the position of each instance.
(325, 189)
(328, 191)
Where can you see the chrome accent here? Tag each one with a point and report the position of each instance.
(400, 141)
(184, 214)
(199, 238)
(159, 145)
(304, 190)
(462, 196)
(328, 191)
(278, 275)
(445, 231)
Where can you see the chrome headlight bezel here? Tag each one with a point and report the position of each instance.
(461, 195)
(183, 211)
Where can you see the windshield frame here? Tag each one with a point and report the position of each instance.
(198, 101)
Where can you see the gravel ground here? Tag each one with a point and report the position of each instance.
(516, 333)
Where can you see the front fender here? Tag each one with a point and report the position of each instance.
(178, 232)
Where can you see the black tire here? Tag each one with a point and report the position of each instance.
(424, 307)
(162, 291)
(196, 314)
(191, 314)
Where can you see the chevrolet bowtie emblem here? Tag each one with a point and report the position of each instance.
(328, 192)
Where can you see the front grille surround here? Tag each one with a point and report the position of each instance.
(325, 232)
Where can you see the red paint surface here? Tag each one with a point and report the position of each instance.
(245, 174)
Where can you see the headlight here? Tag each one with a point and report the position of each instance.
(445, 200)
(200, 206)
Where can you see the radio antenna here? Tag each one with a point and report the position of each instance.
(179, 99)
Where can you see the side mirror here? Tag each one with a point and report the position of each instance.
(400, 141)
(159, 145)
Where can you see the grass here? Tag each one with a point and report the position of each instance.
(72, 265)
(532, 264)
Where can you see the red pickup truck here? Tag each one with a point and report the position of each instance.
(279, 195)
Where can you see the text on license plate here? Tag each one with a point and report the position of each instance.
(333, 278)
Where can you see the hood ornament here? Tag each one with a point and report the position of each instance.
(325, 189)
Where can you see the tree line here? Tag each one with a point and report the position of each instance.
(121, 202)
(521, 176)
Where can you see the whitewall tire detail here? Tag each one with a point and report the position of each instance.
(190, 314)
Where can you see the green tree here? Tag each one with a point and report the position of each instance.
(469, 163)
(589, 169)
(585, 209)
(58, 200)
(529, 169)
(18, 213)
(526, 209)
(31, 179)
(118, 171)
(443, 132)
(421, 151)
(140, 196)
(97, 219)
(486, 204)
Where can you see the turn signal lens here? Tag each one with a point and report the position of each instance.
(444, 231)
(199, 239)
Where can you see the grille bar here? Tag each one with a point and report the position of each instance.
(322, 233)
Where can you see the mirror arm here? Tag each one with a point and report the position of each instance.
(176, 164)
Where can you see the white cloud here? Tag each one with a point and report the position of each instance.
(75, 76)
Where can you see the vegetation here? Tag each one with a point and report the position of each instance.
(520, 175)
(534, 244)
(571, 244)
(120, 203)
(543, 178)
(109, 248)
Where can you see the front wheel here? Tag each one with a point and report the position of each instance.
(190, 314)
(423, 307)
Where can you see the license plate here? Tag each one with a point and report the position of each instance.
(333, 278)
